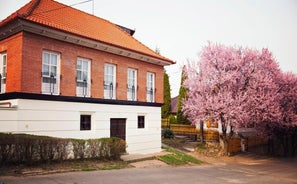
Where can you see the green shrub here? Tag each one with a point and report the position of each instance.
(172, 119)
(168, 134)
(30, 149)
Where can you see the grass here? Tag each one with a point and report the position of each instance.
(201, 147)
(65, 166)
(113, 167)
(177, 158)
(108, 165)
(89, 169)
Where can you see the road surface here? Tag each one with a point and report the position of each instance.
(268, 171)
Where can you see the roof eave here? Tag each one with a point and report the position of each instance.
(19, 24)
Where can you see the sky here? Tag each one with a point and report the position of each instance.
(180, 29)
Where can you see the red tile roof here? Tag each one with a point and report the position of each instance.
(65, 18)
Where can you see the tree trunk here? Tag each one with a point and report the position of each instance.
(201, 132)
(225, 141)
(225, 138)
(226, 144)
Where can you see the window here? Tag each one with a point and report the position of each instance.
(83, 79)
(50, 73)
(140, 122)
(150, 87)
(3, 66)
(85, 122)
(109, 81)
(132, 84)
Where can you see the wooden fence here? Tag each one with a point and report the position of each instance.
(234, 145)
(254, 141)
(181, 129)
(210, 135)
(165, 123)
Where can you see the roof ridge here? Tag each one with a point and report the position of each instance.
(30, 9)
(114, 25)
(18, 13)
(50, 13)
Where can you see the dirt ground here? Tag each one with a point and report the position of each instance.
(212, 154)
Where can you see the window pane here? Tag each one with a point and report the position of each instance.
(54, 59)
(85, 66)
(81, 84)
(45, 70)
(46, 58)
(131, 84)
(85, 122)
(109, 70)
(150, 84)
(4, 59)
(85, 76)
(109, 81)
(54, 71)
(141, 122)
(79, 75)
(4, 72)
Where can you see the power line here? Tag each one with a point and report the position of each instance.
(66, 6)
(92, 7)
(81, 3)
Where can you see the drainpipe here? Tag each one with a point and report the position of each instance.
(6, 103)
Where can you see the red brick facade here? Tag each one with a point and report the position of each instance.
(24, 67)
(13, 47)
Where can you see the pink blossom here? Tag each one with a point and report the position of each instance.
(236, 86)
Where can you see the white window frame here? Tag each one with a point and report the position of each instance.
(3, 71)
(150, 87)
(83, 83)
(53, 86)
(132, 84)
(110, 81)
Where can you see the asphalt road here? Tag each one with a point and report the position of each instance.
(242, 171)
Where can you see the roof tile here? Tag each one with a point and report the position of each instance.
(68, 19)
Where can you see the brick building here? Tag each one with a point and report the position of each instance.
(66, 73)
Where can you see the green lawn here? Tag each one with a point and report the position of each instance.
(178, 158)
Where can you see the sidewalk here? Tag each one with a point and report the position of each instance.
(145, 160)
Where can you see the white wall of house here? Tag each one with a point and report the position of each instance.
(62, 119)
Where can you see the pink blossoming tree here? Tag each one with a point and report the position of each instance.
(284, 135)
(234, 86)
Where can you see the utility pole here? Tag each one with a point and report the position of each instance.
(93, 7)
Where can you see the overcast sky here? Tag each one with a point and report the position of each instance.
(179, 29)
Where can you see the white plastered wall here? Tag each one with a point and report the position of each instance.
(62, 119)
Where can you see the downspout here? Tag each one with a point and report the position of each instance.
(6, 103)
